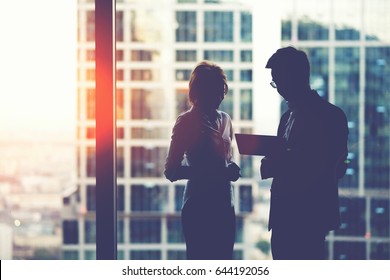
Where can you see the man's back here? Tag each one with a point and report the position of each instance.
(305, 183)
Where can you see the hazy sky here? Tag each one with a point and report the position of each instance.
(37, 67)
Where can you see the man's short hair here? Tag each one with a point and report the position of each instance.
(291, 61)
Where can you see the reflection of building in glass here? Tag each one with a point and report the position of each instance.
(349, 51)
(158, 45)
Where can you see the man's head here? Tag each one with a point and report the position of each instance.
(290, 72)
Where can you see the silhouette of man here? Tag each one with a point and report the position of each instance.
(304, 191)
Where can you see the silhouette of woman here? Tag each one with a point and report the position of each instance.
(200, 151)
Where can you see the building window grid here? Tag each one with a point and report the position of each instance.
(88, 254)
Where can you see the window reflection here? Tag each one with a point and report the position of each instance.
(218, 26)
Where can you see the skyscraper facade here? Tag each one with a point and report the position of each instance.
(348, 45)
(158, 43)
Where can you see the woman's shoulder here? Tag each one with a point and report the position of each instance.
(224, 115)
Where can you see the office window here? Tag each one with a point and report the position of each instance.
(218, 26)
(175, 233)
(121, 231)
(151, 132)
(145, 55)
(229, 75)
(219, 55)
(182, 101)
(353, 222)
(90, 55)
(120, 55)
(377, 134)
(120, 162)
(120, 132)
(91, 132)
(90, 254)
(286, 29)
(246, 75)
(179, 192)
(70, 232)
(90, 110)
(246, 104)
(186, 55)
(239, 230)
(149, 198)
(246, 27)
(349, 250)
(380, 217)
(227, 103)
(90, 231)
(144, 75)
(177, 255)
(186, 1)
(145, 25)
(148, 162)
(319, 69)
(245, 198)
(246, 165)
(70, 255)
(90, 26)
(186, 26)
(246, 56)
(145, 255)
(90, 74)
(148, 104)
(183, 74)
(91, 162)
(347, 87)
(120, 200)
(119, 26)
(238, 255)
(91, 198)
(120, 75)
(120, 111)
(120, 255)
(145, 230)
(380, 251)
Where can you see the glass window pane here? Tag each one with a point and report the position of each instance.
(186, 26)
(149, 198)
(377, 134)
(145, 230)
(219, 55)
(145, 255)
(186, 55)
(246, 27)
(353, 213)
(148, 104)
(175, 233)
(347, 88)
(349, 250)
(148, 162)
(218, 26)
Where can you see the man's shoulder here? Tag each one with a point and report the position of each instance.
(332, 110)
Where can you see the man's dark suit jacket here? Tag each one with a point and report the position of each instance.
(304, 191)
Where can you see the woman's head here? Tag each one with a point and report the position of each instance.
(208, 86)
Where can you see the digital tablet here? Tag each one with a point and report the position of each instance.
(257, 145)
